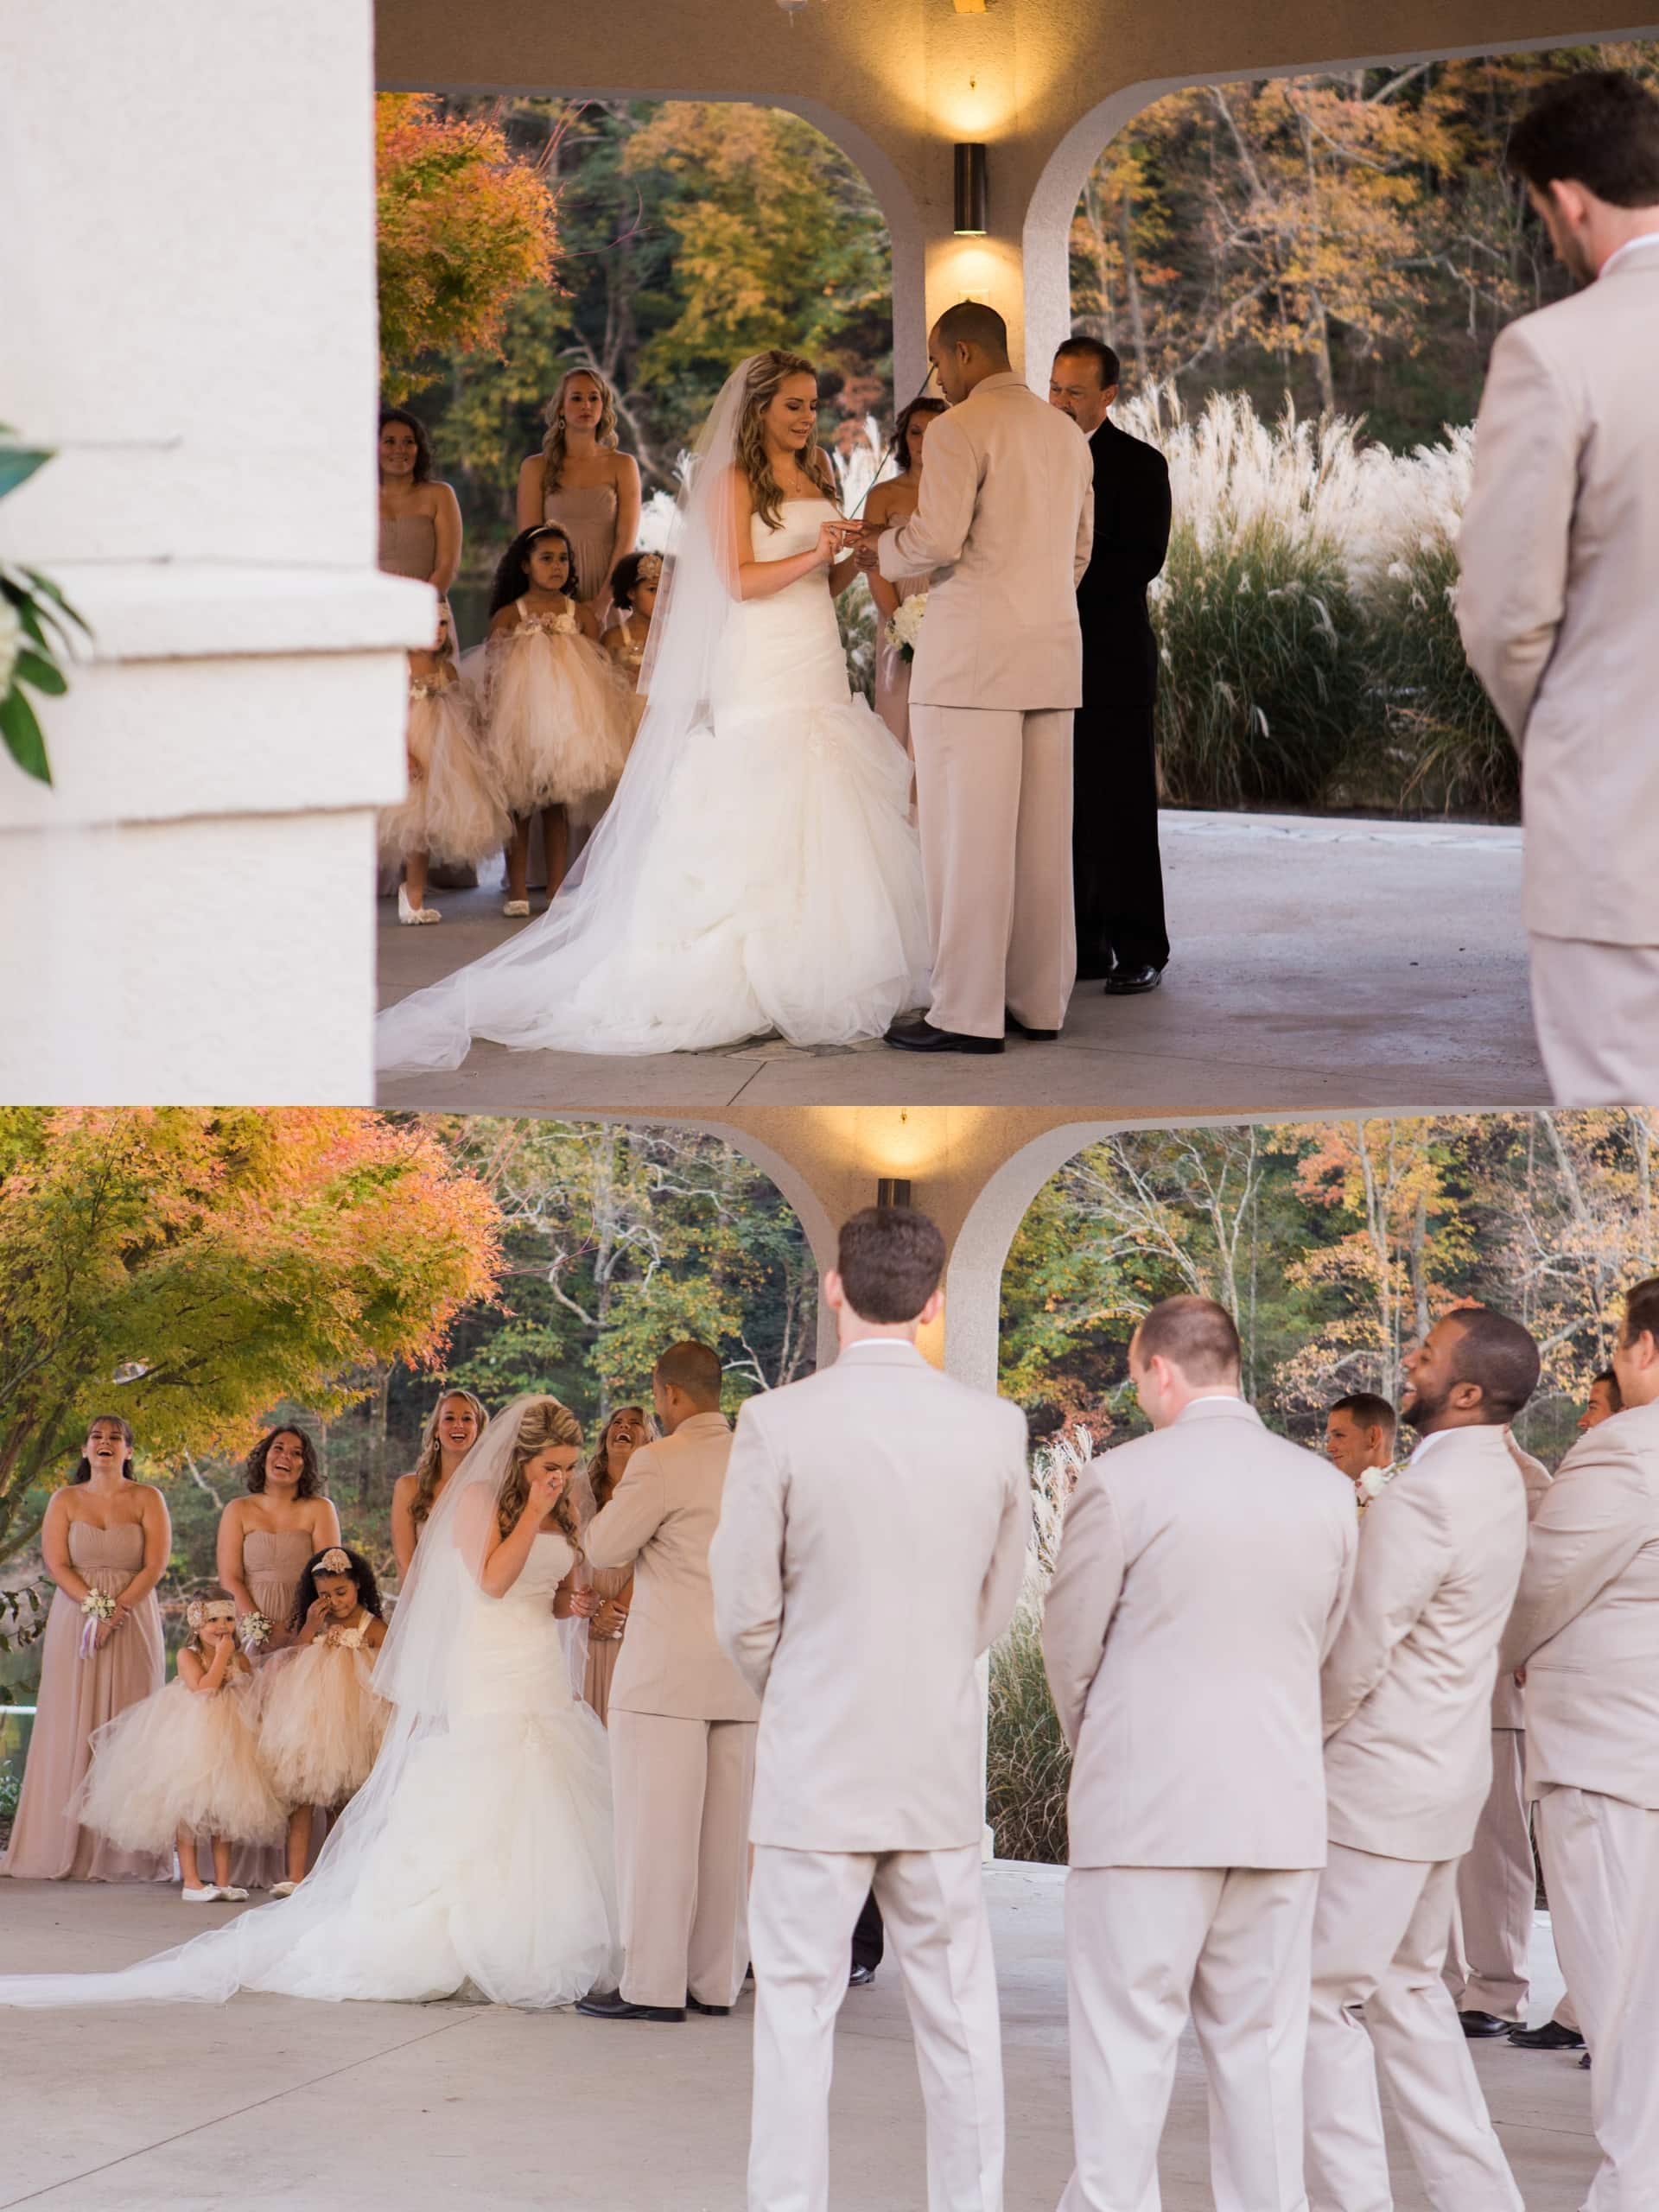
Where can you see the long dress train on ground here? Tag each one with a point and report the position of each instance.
(77, 1696)
(774, 885)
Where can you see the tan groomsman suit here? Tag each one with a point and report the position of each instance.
(1007, 512)
(682, 1729)
(1486, 1964)
(1556, 608)
(873, 1546)
(1586, 1627)
(1202, 1576)
(1408, 1765)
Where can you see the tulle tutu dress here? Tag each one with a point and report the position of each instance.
(558, 730)
(320, 1721)
(454, 812)
(184, 1758)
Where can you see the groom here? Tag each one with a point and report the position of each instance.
(877, 1491)
(1004, 528)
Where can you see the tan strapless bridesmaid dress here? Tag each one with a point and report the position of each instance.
(603, 1651)
(273, 1560)
(76, 1696)
(587, 517)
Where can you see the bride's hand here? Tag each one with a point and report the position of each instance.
(545, 1492)
(832, 541)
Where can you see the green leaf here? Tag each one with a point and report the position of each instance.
(19, 463)
(44, 675)
(22, 735)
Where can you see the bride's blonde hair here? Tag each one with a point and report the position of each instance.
(543, 1422)
(768, 373)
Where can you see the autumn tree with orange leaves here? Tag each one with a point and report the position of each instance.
(188, 1269)
(465, 225)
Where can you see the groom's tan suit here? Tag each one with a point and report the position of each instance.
(1202, 1576)
(872, 1547)
(682, 1728)
(1005, 526)
(1556, 608)
(1408, 1697)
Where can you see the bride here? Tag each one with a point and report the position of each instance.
(758, 869)
(477, 1859)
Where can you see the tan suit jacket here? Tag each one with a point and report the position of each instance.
(1202, 1575)
(873, 1545)
(1508, 1710)
(1585, 1624)
(1006, 516)
(660, 1523)
(1558, 548)
(1408, 1683)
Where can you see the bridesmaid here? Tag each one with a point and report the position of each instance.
(420, 518)
(621, 1438)
(582, 483)
(453, 1426)
(265, 1541)
(103, 1532)
(893, 501)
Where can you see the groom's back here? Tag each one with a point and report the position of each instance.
(904, 1507)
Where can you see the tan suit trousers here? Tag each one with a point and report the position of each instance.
(802, 1907)
(993, 802)
(1601, 1865)
(1486, 1968)
(682, 1790)
(1147, 1947)
(1380, 2006)
(1596, 1009)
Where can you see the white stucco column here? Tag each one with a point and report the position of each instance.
(187, 280)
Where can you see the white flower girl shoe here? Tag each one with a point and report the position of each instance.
(204, 1894)
(412, 916)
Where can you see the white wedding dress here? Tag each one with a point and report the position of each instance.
(480, 1866)
(762, 875)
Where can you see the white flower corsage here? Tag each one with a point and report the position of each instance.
(904, 626)
(253, 1628)
(97, 1606)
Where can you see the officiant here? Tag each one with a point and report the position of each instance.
(1117, 873)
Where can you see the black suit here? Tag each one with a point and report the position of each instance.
(1116, 869)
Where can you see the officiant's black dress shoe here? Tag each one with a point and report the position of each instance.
(1024, 1029)
(920, 1036)
(861, 1977)
(1125, 982)
(617, 2007)
(714, 2011)
(1479, 2026)
(1551, 2036)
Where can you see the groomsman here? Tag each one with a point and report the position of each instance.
(1006, 511)
(1117, 879)
(1202, 1575)
(1359, 1434)
(1556, 599)
(1408, 1694)
(872, 1547)
(1586, 1627)
(682, 1719)
(1487, 1961)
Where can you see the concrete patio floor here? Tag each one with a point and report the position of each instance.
(1316, 965)
(272, 2102)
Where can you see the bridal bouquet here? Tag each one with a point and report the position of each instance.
(905, 625)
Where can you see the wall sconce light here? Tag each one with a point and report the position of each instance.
(893, 1190)
(971, 192)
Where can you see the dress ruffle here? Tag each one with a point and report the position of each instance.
(184, 1758)
(321, 1723)
(454, 812)
(557, 726)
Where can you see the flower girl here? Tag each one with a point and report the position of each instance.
(634, 594)
(320, 1720)
(558, 730)
(453, 812)
(186, 1762)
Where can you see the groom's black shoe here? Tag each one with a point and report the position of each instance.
(1124, 983)
(617, 2007)
(1551, 2036)
(1024, 1029)
(920, 1036)
(1479, 2025)
(714, 2011)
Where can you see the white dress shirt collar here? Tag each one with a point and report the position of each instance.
(882, 1348)
(1211, 1403)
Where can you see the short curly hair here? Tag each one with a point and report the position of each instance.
(310, 1485)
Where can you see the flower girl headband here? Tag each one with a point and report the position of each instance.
(334, 1562)
(202, 1609)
